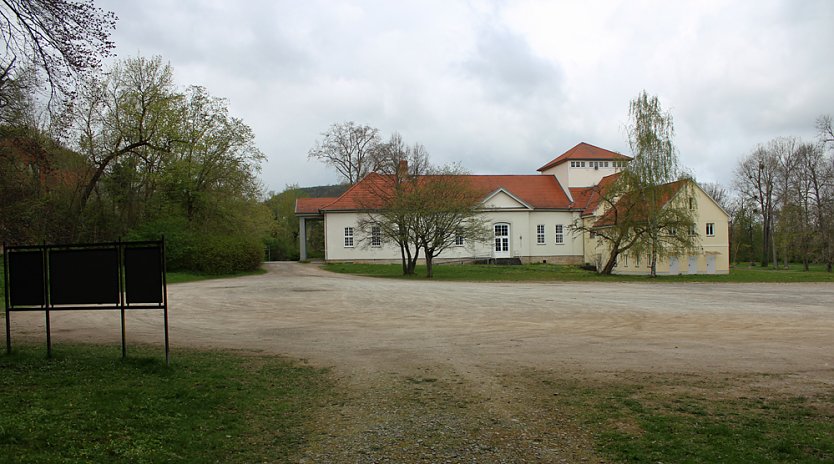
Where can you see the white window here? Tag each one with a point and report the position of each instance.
(625, 260)
(691, 203)
(606, 164)
(560, 234)
(348, 237)
(540, 234)
(376, 236)
(693, 231)
(458, 240)
(710, 229)
(638, 261)
(573, 164)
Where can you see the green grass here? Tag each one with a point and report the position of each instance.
(182, 277)
(86, 404)
(647, 423)
(560, 273)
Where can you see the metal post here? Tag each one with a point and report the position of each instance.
(164, 299)
(47, 299)
(6, 301)
(120, 264)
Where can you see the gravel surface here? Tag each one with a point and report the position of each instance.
(453, 372)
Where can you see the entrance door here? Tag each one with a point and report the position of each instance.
(502, 241)
(674, 266)
(710, 264)
(693, 264)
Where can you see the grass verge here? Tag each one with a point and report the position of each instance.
(561, 273)
(690, 419)
(86, 404)
(182, 277)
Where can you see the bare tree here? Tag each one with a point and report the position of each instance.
(825, 129)
(756, 179)
(419, 207)
(388, 157)
(63, 39)
(718, 193)
(446, 207)
(350, 148)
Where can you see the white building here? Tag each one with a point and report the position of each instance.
(529, 215)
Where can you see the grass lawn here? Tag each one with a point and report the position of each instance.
(560, 273)
(182, 277)
(86, 404)
(687, 418)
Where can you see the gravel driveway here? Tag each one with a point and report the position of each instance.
(421, 360)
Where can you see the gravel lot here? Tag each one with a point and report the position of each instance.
(449, 372)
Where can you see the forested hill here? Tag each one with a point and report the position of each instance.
(325, 191)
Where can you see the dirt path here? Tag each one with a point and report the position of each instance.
(437, 371)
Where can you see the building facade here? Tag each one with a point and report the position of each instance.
(530, 217)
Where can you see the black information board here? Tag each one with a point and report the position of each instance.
(143, 275)
(84, 277)
(25, 286)
(119, 275)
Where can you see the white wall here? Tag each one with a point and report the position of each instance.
(580, 177)
(522, 234)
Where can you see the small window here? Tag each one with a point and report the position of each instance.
(348, 237)
(673, 231)
(376, 237)
(691, 203)
(540, 234)
(459, 240)
(693, 231)
(582, 163)
(606, 164)
(573, 164)
(560, 234)
(638, 261)
(710, 229)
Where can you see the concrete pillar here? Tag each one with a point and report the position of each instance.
(302, 238)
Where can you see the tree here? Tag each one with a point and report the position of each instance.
(645, 209)
(62, 40)
(134, 113)
(350, 148)
(649, 177)
(445, 207)
(392, 200)
(755, 178)
(419, 207)
(283, 244)
(825, 129)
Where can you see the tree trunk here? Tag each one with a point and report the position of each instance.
(429, 268)
(404, 260)
(609, 266)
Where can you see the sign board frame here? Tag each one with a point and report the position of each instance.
(119, 276)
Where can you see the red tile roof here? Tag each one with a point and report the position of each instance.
(667, 192)
(540, 192)
(591, 196)
(585, 151)
(311, 205)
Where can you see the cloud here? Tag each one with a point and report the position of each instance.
(498, 86)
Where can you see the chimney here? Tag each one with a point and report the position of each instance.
(402, 169)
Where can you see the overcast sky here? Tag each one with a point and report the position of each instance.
(500, 86)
